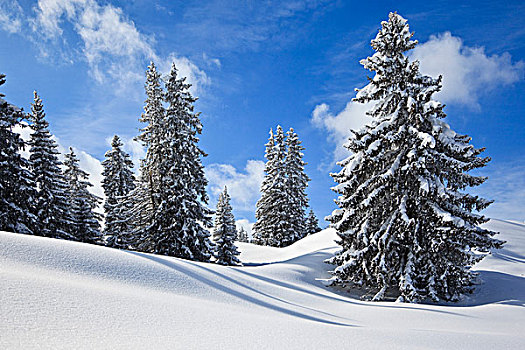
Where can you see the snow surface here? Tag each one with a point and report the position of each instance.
(61, 294)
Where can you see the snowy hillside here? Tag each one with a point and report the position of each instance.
(61, 294)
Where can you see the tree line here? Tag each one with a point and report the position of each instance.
(163, 209)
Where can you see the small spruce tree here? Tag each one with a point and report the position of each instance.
(118, 183)
(174, 175)
(312, 223)
(225, 233)
(85, 225)
(406, 224)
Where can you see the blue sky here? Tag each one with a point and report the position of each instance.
(256, 64)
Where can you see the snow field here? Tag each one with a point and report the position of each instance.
(62, 294)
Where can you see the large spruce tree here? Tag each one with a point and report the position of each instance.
(224, 232)
(17, 188)
(51, 205)
(118, 183)
(406, 224)
(174, 174)
(85, 225)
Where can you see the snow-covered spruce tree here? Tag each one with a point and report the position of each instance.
(17, 188)
(272, 225)
(85, 225)
(242, 235)
(405, 221)
(143, 200)
(118, 182)
(296, 184)
(175, 176)
(152, 134)
(312, 223)
(51, 205)
(224, 232)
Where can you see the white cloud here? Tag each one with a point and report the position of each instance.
(243, 188)
(338, 126)
(10, 16)
(468, 72)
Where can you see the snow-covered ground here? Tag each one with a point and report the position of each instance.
(60, 294)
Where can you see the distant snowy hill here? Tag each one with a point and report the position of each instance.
(61, 294)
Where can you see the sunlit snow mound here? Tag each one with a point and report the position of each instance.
(60, 294)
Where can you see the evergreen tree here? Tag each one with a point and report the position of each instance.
(17, 188)
(175, 176)
(51, 206)
(296, 184)
(85, 226)
(272, 225)
(225, 233)
(143, 200)
(154, 117)
(405, 222)
(242, 235)
(312, 224)
(118, 183)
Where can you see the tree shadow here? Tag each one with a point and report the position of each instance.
(341, 295)
(496, 288)
(237, 293)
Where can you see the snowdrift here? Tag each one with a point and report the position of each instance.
(60, 294)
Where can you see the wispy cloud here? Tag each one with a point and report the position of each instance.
(109, 42)
(97, 33)
(11, 16)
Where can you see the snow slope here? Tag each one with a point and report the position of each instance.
(60, 294)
